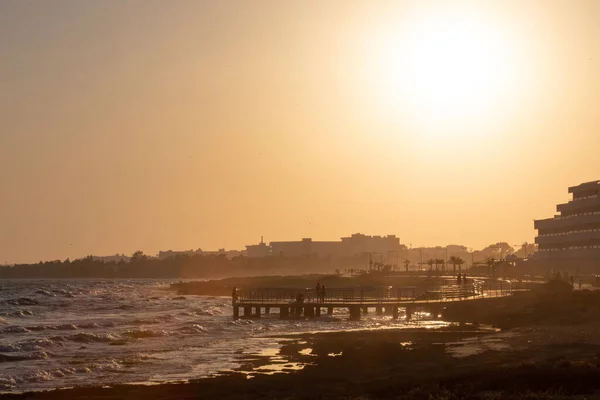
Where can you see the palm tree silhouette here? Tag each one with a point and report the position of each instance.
(439, 261)
(406, 264)
(456, 261)
(430, 262)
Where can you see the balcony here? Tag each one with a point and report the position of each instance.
(564, 222)
(585, 186)
(593, 253)
(579, 204)
(572, 237)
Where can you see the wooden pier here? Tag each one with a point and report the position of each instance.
(253, 303)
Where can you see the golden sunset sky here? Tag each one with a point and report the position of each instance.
(156, 125)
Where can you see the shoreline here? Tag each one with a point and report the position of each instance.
(543, 344)
(290, 357)
(392, 362)
(248, 362)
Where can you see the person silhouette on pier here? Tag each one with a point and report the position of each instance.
(322, 293)
(318, 292)
(458, 279)
(234, 296)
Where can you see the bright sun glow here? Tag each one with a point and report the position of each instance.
(443, 70)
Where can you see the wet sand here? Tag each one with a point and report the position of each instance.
(545, 361)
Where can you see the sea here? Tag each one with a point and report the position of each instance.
(69, 333)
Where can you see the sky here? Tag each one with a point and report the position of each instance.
(153, 125)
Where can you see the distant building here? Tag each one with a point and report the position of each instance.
(573, 235)
(223, 252)
(258, 250)
(170, 253)
(381, 247)
(306, 248)
(227, 253)
(116, 258)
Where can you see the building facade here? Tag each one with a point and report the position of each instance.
(573, 235)
(381, 247)
(306, 248)
(258, 250)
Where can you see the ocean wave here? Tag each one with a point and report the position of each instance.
(194, 329)
(44, 293)
(4, 358)
(23, 301)
(240, 322)
(21, 313)
(61, 372)
(7, 348)
(58, 339)
(85, 337)
(135, 359)
(144, 333)
(14, 329)
(63, 327)
(90, 325)
(156, 320)
(208, 312)
(66, 327)
(37, 328)
(30, 345)
(7, 383)
(45, 375)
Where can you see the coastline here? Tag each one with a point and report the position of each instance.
(546, 344)
(402, 363)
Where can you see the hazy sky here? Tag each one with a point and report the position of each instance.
(152, 124)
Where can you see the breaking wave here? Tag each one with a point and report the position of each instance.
(85, 337)
(22, 301)
(144, 333)
(194, 329)
(14, 329)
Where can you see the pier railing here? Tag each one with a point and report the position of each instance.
(378, 295)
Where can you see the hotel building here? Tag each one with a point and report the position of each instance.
(572, 237)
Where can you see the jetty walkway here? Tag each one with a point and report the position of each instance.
(386, 299)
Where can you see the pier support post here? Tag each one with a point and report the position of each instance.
(309, 311)
(317, 311)
(284, 312)
(409, 313)
(247, 312)
(267, 310)
(378, 310)
(236, 312)
(365, 310)
(329, 310)
(257, 312)
(355, 313)
(395, 312)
